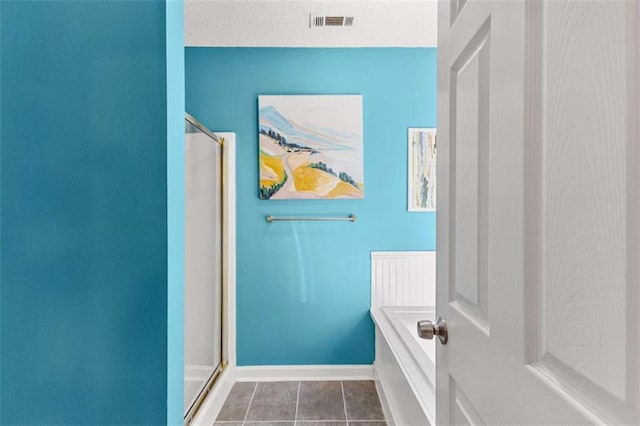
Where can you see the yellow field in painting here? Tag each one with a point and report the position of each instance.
(271, 170)
(313, 180)
(326, 185)
(344, 190)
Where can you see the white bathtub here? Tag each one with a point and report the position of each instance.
(405, 365)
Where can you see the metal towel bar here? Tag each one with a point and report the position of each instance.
(350, 218)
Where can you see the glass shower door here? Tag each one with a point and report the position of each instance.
(203, 262)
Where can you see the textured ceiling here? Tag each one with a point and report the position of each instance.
(377, 23)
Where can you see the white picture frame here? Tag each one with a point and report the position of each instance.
(421, 170)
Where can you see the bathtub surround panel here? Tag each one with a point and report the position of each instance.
(397, 397)
(84, 212)
(303, 288)
(403, 278)
(405, 365)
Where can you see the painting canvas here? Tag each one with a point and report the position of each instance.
(311, 147)
(422, 169)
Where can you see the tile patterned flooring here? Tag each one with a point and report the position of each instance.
(348, 403)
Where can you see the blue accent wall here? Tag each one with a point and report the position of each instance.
(0, 213)
(175, 211)
(84, 212)
(303, 289)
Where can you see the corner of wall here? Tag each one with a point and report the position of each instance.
(1, 26)
(175, 210)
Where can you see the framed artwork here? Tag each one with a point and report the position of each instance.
(311, 147)
(422, 170)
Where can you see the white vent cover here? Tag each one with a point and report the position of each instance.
(318, 20)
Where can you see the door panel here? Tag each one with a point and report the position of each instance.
(456, 7)
(469, 147)
(538, 218)
(462, 411)
(584, 187)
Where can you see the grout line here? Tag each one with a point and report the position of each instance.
(295, 417)
(250, 402)
(344, 402)
(305, 421)
(281, 421)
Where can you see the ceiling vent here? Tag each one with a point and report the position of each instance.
(317, 20)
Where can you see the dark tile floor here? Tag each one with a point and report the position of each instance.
(349, 403)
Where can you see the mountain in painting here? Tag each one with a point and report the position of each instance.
(270, 118)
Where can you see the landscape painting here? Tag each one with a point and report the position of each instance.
(422, 170)
(311, 147)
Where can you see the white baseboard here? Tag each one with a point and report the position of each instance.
(277, 373)
(212, 404)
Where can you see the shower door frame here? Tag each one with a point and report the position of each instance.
(204, 391)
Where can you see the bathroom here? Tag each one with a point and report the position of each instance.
(303, 288)
(93, 101)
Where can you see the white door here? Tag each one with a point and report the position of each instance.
(538, 228)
